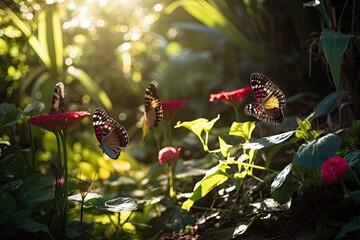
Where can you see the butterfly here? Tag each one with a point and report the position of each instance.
(110, 134)
(270, 100)
(153, 113)
(57, 103)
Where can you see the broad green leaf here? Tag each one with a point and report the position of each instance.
(353, 225)
(354, 159)
(282, 187)
(24, 222)
(34, 108)
(76, 229)
(9, 115)
(334, 45)
(325, 106)
(242, 129)
(91, 86)
(313, 154)
(268, 141)
(91, 199)
(224, 147)
(121, 204)
(198, 126)
(36, 189)
(213, 178)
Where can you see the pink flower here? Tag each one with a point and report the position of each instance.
(231, 98)
(333, 169)
(59, 121)
(58, 182)
(172, 107)
(168, 154)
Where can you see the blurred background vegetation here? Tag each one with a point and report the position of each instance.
(107, 52)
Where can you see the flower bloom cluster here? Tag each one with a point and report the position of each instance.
(168, 155)
(59, 121)
(58, 182)
(172, 107)
(333, 169)
(233, 98)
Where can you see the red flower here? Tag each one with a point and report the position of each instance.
(333, 169)
(59, 121)
(168, 154)
(172, 107)
(60, 182)
(231, 98)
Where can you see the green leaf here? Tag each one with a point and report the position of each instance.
(9, 115)
(354, 159)
(355, 128)
(121, 204)
(23, 221)
(242, 129)
(313, 154)
(27, 31)
(198, 126)
(34, 108)
(268, 141)
(213, 178)
(75, 229)
(351, 226)
(282, 187)
(334, 45)
(91, 199)
(91, 86)
(325, 106)
(212, 17)
(224, 147)
(35, 190)
(7, 206)
(50, 36)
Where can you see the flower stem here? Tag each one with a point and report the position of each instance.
(236, 113)
(65, 195)
(171, 168)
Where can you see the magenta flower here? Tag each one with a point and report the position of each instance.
(334, 168)
(168, 155)
(58, 182)
(171, 108)
(59, 121)
(233, 98)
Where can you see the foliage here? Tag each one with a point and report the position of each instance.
(229, 177)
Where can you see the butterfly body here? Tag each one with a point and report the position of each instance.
(153, 113)
(270, 100)
(110, 134)
(57, 103)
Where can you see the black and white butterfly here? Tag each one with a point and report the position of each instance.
(57, 103)
(153, 113)
(110, 134)
(270, 100)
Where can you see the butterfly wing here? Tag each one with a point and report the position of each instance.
(266, 92)
(268, 115)
(153, 113)
(270, 100)
(110, 134)
(57, 103)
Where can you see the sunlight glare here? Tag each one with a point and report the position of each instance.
(72, 5)
(158, 7)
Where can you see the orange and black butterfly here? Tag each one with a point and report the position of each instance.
(57, 103)
(153, 113)
(270, 100)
